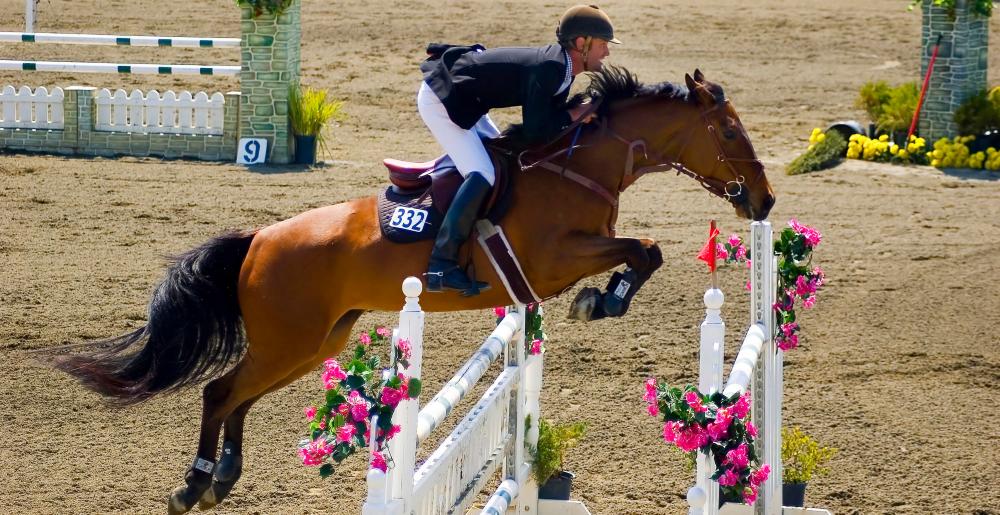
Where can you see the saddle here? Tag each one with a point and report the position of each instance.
(411, 209)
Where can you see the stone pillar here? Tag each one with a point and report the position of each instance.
(960, 69)
(270, 47)
(230, 129)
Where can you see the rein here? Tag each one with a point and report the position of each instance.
(715, 186)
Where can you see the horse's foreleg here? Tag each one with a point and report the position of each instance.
(642, 257)
(230, 466)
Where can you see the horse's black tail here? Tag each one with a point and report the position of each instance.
(194, 329)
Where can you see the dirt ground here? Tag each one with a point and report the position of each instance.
(899, 366)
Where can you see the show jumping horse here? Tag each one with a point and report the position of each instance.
(279, 300)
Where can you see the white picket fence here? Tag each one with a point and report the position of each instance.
(170, 113)
(491, 437)
(23, 108)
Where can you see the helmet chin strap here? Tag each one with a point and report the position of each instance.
(585, 52)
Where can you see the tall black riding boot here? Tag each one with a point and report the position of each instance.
(443, 272)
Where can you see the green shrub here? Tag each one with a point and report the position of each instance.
(890, 108)
(553, 442)
(802, 457)
(979, 113)
(824, 154)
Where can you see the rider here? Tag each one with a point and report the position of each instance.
(461, 85)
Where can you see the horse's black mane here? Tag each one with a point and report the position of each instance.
(614, 83)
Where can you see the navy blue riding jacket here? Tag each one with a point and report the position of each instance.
(471, 80)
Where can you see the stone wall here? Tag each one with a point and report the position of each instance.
(79, 137)
(961, 65)
(270, 49)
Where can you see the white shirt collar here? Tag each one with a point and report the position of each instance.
(569, 73)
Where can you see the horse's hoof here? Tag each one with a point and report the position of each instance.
(208, 499)
(582, 307)
(177, 504)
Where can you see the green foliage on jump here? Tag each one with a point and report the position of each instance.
(980, 7)
(275, 7)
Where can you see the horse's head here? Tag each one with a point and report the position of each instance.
(696, 132)
(720, 152)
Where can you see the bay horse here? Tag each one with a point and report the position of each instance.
(279, 300)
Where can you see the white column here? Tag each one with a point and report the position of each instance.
(29, 15)
(531, 380)
(766, 389)
(703, 498)
(391, 493)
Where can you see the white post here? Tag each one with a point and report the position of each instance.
(766, 386)
(703, 498)
(29, 15)
(390, 494)
(531, 379)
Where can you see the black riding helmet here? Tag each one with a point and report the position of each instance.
(585, 21)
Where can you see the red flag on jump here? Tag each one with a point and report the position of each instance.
(707, 253)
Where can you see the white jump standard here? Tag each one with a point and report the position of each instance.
(489, 438)
(758, 367)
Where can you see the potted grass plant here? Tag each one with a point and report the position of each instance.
(553, 441)
(801, 458)
(310, 111)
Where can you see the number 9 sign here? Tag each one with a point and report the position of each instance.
(251, 151)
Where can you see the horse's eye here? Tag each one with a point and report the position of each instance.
(729, 133)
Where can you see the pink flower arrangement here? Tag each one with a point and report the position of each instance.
(795, 281)
(534, 341)
(404, 348)
(378, 461)
(714, 424)
(355, 394)
(332, 374)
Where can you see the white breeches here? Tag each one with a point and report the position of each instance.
(464, 146)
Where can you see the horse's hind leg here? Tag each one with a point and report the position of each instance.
(230, 467)
(271, 357)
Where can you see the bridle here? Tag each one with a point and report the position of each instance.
(732, 191)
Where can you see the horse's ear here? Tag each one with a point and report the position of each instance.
(697, 90)
(691, 84)
(698, 76)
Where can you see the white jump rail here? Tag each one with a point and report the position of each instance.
(154, 69)
(758, 367)
(116, 40)
(492, 436)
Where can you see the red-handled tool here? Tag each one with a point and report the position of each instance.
(923, 89)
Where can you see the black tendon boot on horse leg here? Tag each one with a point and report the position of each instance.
(443, 272)
(591, 304)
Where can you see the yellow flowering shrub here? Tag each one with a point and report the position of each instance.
(955, 153)
(881, 149)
